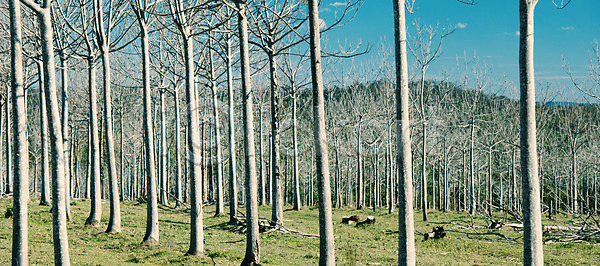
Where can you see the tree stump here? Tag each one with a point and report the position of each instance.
(369, 220)
(437, 233)
(350, 219)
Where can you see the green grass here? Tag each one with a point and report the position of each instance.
(354, 245)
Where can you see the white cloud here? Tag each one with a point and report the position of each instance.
(518, 33)
(460, 25)
(567, 28)
(322, 24)
(336, 4)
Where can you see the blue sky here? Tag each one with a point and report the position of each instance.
(488, 29)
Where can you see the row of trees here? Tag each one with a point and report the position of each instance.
(464, 141)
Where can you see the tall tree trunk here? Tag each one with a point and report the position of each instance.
(197, 230)
(263, 181)
(252, 256)
(122, 159)
(406, 230)
(65, 131)
(489, 197)
(391, 185)
(233, 187)
(94, 180)
(424, 173)
(59, 221)
(45, 196)
(472, 181)
(178, 181)
(21, 154)
(574, 180)
(297, 203)
(220, 206)
(360, 193)
(9, 163)
(163, 151)
(327, 256)
(532, 222)
(151, 237)
(276, 178)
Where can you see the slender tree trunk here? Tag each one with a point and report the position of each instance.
(65, 131)
(424, 173)
(114, 222)
(59, 221)
(163, 150)
(9, 163)
(360, 193)
(20, 156)
(262, 192)
(220, 206)
(151, 237)
(178, 181)
(574, 181)
(123, 186)
(489, 182)
(197, 230)
(297, 203)
(89, 162)
(327, 250)
(406, 233)
(276, 178)
(94, 180)
(532, 222)
(45, 196)
(233, 189)
(472, 191)
(252, 256)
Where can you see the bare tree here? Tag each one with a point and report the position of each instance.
(533, 252)
(140, 9)
(59, 221)
(252, 256)
(327, 250)
(406, 228)
(20, 156)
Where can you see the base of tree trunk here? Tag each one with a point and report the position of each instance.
(194, 253)
(92, 223)
(250, 262)
(149, 242)
(113, 230)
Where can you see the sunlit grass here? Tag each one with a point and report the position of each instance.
(354, 245)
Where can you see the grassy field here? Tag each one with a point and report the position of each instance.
(362, 245)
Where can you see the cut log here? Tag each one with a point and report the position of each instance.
(437, 233)
(350, 219)
(496, 225)
(369, 220)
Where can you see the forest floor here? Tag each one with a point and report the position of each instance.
(355, 245)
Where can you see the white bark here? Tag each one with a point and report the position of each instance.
(406, 235)
(252, 256)
(94, 150)
(233, 188)
(326, 237)
(532, 233)
(21, 155)
(151, 237)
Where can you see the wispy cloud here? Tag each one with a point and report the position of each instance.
(336, 4)
(518, 33)
(322, 24)
(460, 25)
(567, 28)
